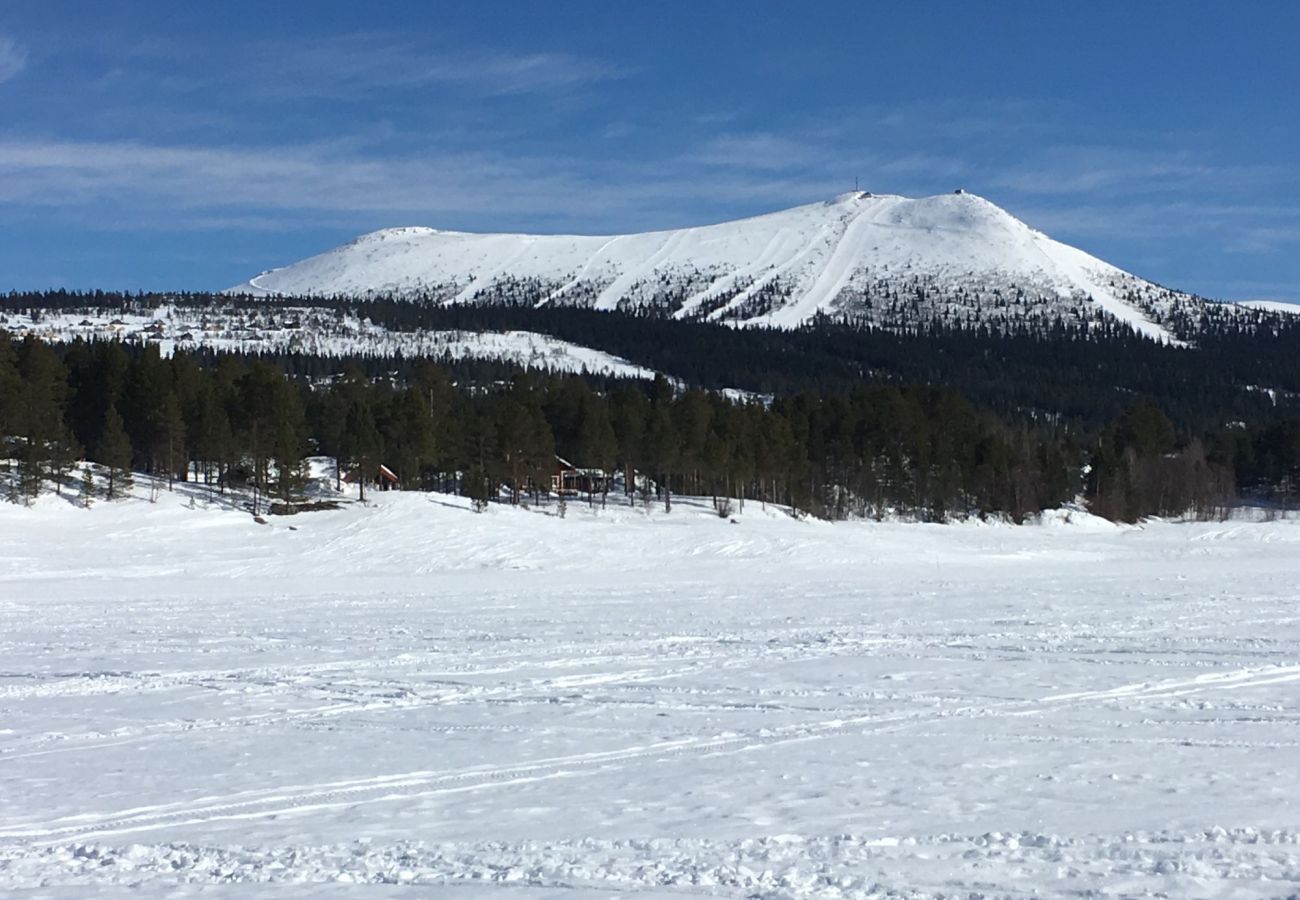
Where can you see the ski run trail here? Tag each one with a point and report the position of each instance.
(408, 699)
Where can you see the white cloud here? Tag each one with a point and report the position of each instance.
(13, 58)
(762, 151)
(251, 188)
(1117, 171)
(354, 66)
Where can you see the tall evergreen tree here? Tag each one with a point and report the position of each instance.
(113, 450)
(289, 444)
(408, 435)
(46, 448)
(10, 410)
(597, 444)
(361, 443)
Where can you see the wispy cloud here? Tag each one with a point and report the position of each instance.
(1263, 238)
(964, 120)
(927, 164)
(57, 173)
(1093, 170)
(13, 58)
(356, 66)
(248, 188)
(763, 151)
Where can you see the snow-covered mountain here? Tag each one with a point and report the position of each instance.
(886, 259)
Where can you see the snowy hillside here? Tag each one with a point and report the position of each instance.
(317, 332)
(883, 258)
(517, 705)
(1274, 306)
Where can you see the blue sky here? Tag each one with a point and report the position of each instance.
(171, 145)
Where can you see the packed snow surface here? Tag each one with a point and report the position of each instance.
(517, 704)
(816, 254)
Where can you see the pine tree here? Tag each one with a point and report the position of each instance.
(290, 441)
(526, 446)
(597, 445)
(10, 392)
(479, 457)
(87, 485)
(629, 420)
(114, 452)
(144, 409)
(408, 435)
(45, 451)
(662, 449)
(263, 403)
(334, 411)
(361, 442)
(174, 438)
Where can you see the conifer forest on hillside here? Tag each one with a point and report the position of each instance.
(834, 419)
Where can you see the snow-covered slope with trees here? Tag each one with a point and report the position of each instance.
(313, 331)
(1274, 306)
(883, 258)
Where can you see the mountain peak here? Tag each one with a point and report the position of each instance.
(881, 257)
(400, 232)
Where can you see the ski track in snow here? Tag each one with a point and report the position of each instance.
(844, 257)
(411, 694)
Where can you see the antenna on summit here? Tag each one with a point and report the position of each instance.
(855, 183)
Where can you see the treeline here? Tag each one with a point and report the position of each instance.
(1243, 367)
(922, 451)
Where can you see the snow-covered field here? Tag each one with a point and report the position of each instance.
(514, 704)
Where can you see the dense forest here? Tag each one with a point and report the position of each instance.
(1242, 368)
(848, 421)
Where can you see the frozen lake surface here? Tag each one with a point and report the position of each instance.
(517, 704)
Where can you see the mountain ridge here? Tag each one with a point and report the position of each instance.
(882, 258)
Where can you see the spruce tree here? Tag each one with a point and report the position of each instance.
(629, 421)
(45, 450)
(662, 449)
(408, 436)
(290, 440)
(144, 408)
(261, 403)
(10, 392)
(87, 485)
(361, 442)
(114, 452)
(597, 445)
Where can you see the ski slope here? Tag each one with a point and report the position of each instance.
(814, 257)
(408, 697)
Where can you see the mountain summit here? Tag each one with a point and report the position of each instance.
(886, 259)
